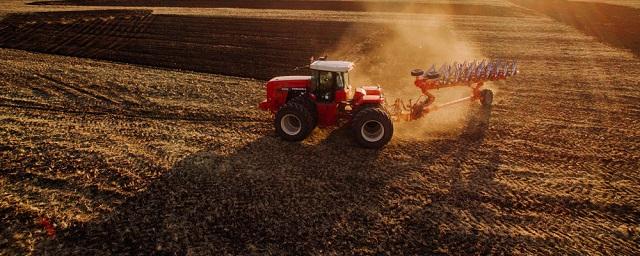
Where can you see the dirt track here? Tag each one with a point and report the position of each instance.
(142, 160)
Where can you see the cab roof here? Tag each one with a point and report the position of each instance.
(332, 65)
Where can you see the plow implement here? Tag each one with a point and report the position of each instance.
(472, 74)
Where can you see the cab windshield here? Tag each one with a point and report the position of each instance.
(326, 83)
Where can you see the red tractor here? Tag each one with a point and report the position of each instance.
(326, 98)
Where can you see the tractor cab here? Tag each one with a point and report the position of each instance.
(331, 88)
(330, 81)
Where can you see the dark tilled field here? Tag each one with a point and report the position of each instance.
(126, 159)
(356, 6)
(254, 48)
(177, 175)
(614, 24)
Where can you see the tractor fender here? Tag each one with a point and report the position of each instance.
(368, 95)
(373, 90)
(357, 96)
(369, 99)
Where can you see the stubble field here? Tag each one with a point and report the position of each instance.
(160, 159)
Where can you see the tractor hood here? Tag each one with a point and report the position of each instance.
(290, 78)
(279, 88)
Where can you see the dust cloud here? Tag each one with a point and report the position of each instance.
(386, 56)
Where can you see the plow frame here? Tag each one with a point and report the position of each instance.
(424, 104)
(472, 74)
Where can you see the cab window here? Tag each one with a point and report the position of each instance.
(325, 83)
(345, 80)
(339, 81)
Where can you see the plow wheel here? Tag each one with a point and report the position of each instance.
(372, 127)
(293, 122)
(486, 97)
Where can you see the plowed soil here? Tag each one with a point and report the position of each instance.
(614, 22)
(129, 159)
(482, 8)
(258, 48)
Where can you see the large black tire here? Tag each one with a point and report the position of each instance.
(372, 127)
(305, 101)
(293, 122)
(486, 98)
(366, 106)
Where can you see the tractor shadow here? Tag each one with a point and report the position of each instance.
(276, 197)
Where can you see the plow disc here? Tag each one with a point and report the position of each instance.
(472, 74)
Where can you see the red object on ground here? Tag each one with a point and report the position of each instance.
(46, 224)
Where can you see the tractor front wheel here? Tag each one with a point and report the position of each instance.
(486, 97)
(372, 127)
(293, 122)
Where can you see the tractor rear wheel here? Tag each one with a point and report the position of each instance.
(372, 127)
(305, 101)
(293, 122)
(486, 97)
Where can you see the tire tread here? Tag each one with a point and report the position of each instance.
(303, 114)
(369, 113)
